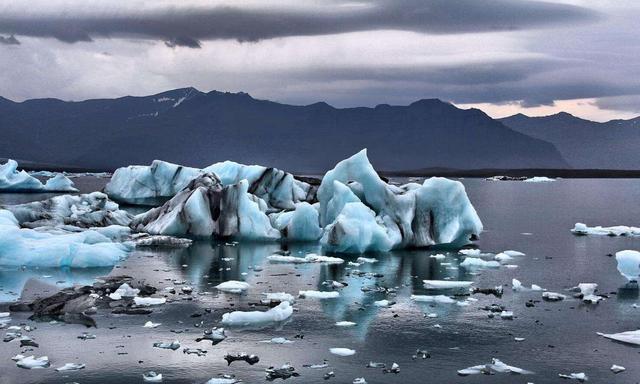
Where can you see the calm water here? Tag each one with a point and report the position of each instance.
(532, 218)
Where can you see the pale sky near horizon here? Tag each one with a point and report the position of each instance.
(501, 56)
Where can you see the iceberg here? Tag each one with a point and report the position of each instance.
(239, 318)
(37, 248)
(206, 208)
(82, 211)
(495, 366)
(581, 229)
(159, 182)
(301, 224)
(412, 215)
(12, 180)
(629, 264)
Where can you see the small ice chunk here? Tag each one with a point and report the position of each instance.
(277, 340)
(233, 286)
(538, 179)
(513, 253)
(502, 258)
(439, 256)
(516, 285)
(442, 299)
(279, 296)
(629, 337)
(629, 264)
(469, 252)
(71, 367)
(152, 377)
(446, 284)
(582, 229)
(495, 366)
(617, 368)
(553, 296)
(359, 380)
(32, 362)
(342, 351)
(581, 377)
(319, 294)
(474, 262)
(366, 260)
(345, 324)
(148, 301)
(282, 312)
(587, 291)
(172, 345)
(506, 315)
(124, 290)
(382, 303)
(151, 324)
(310, 258)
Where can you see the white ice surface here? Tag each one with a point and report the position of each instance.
(238, 318)
(629, 264)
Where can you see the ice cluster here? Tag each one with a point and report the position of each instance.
(352, 211)
(12, 180)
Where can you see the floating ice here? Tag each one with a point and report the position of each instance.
(538, 179)
(12, 180)
(174, 345)
(617, 368)
(502, 258)
(71, 367)
(513, 253)
(442, 299)
(319, 294)
(233, 286)
(310, 258)
(516, 285)
(629, 337)
(148, 301)
(477, 263)
(382, 303)
(279, 296)
(581, 377)
(345, 324)
(359, 380)
(282, 312)
(301, 224)
(32, 362)
(446, 284)
(587, 291)
(618, 230)
(495, 366)
(152, 377)
(553, 296)
(84, 211)
(36, 248)
(368, 260)
(342, 351)
(223, 380)
(277, 340)
(151, 324)
(124, 291)
(386, 217)
(629, 264)
(506, 315)
(470, 252)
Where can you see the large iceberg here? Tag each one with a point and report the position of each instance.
(356, 210)
(412, 215)
(12, 180)
(206, 208)
(36, 247)
(155, 184)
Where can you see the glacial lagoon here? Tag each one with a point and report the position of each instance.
(534, 218)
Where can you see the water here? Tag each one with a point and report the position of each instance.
(532, 218)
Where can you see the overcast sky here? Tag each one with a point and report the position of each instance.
(503, 56)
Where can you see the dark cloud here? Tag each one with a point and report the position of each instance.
(187, 25)
(628, 103)
(10, 40)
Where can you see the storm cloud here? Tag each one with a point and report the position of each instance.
(189, 23)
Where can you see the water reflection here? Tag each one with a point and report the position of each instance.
(395, 276)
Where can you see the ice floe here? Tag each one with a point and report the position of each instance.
(152, 377)
(618, 230)
(71, 367)
(441, 299)
(148, 301)
(342, 351)
(617, 368)
(446, 284)
(32, 362)
(553, 296)
(233, 286)
(581, 376)
(478, 263)
(12, 180)
(238, 318)
(496, 366)
(310, 258)
(319, 294)
(629, 337)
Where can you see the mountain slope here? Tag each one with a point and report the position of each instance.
(195, 128)
(584, 143)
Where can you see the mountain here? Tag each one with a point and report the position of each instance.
(196, 128)
(584, 143)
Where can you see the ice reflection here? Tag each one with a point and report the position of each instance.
(395, 277)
